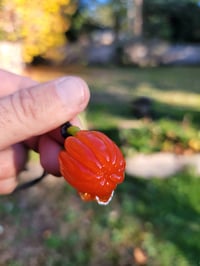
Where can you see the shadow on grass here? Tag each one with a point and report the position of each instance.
(110, 103)
(109, 106)
(176, 113)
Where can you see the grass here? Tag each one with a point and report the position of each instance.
(160, 218)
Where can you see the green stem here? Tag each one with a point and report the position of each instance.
(69, 130)
(72, 130)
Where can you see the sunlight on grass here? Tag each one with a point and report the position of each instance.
(174, 97)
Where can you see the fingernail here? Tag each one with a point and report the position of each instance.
(72, 91)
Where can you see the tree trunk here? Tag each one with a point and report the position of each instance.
(138, 18)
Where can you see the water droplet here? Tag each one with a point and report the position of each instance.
(103, 202)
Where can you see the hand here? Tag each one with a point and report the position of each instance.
(30, 116)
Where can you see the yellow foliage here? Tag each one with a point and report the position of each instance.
(194, 144)
(70, 9)
(39, 24)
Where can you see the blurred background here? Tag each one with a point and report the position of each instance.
(141, 59)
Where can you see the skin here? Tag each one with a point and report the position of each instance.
(30, 117)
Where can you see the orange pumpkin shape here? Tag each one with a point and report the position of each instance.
(92, 164)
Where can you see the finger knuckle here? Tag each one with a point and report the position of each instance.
(24, 105)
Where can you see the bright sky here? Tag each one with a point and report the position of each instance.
(91, 2)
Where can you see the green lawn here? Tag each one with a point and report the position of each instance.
(149, 222)
(165, 213)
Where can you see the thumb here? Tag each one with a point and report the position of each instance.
(39, 109)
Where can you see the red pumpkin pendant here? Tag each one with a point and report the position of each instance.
(92, 164)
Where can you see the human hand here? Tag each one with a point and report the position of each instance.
(30, 116)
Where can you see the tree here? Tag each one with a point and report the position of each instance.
(120, 15)
(40, 25)
(138, 18)
(176, 21)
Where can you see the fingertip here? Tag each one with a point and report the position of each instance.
(73, 91)
(7, 185)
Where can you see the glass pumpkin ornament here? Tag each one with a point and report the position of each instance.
(91, 163)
